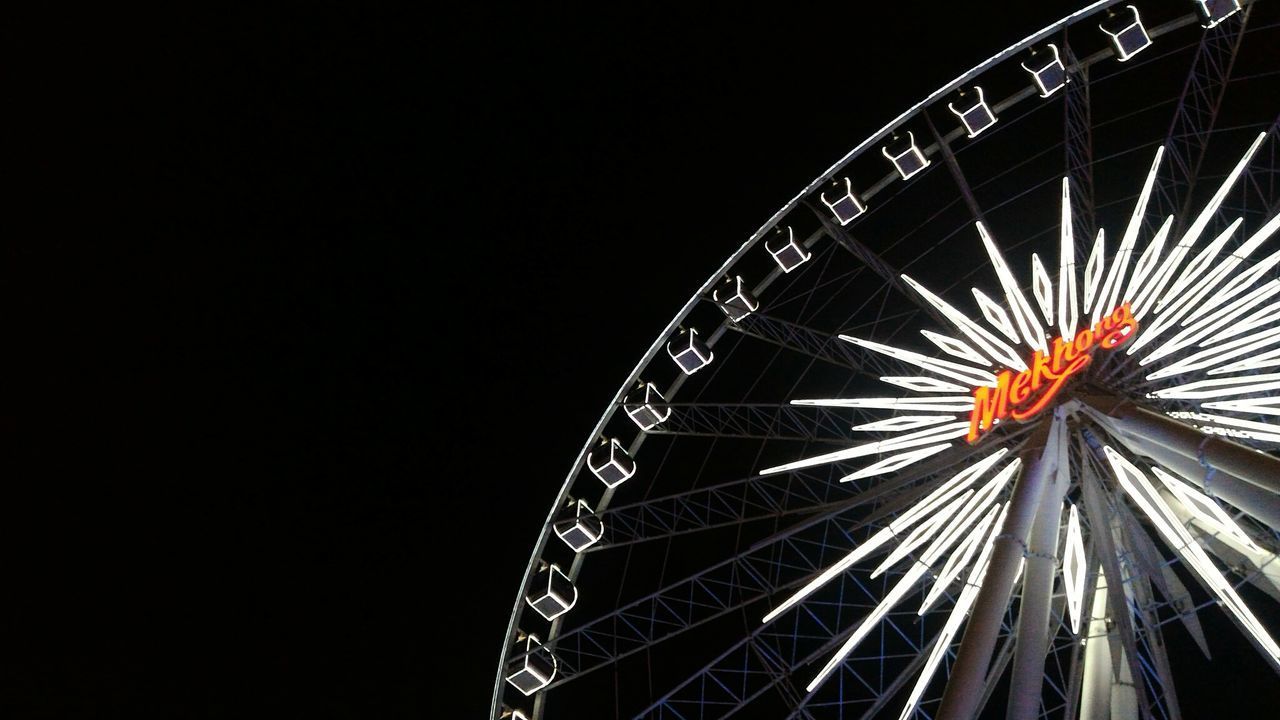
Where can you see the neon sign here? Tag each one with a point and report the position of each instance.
(1022, 395)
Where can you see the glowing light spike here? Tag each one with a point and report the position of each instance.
(1147, 296)
(915, 439)
(1068, 305)
(995, 315)
(1267, 359)
(1109, 293)
(968, 513)
(946, 404)
(1244, 280)
(905, 586)
(925, 384)
(902, 422)
(986, 342)
(1093, 269)
(1073, 569)
(1042, 288)
(895, 463)
(1194, 333)
(1169, 315)
(922, 534)
(1259, 406)
(955, 348)
(1140, 490)
(958, 561)
(1247, 345)
(882, 536)
(1205, 509)
(957, 616)
(1147, 262)
(1025, 318)
(1262, 317)
(964, 373)
(1221, 387)
(922, 508)
(1198, 266)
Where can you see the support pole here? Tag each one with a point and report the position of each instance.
(968, 676)
(1037, 588)
(1253, 466)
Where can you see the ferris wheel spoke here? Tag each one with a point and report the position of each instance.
(762, 421)
(818, 344)
(1077, 120)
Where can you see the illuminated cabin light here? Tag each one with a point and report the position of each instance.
(906, 156)
(643, 411)
(1215, 11)
(1073, 569)
(974, 114)
(689, 352)
(535, 670)
(551, 594)
(610, 462)
(789, 254)
(512, 714)
(847, 206)
(734, 299)
(579, 526)
(1049, 74)
(1128, 36)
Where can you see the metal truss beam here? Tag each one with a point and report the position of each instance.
(826, 346)
(764, 421)
(1077, 121)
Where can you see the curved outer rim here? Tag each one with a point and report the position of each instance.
(658, 343)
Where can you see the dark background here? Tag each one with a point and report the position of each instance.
(322, 301)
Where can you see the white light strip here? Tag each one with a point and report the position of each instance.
(1148, 261)
(957, 616)
(905, 585)
(1198, 331)
(958, 561)
(925, 384)
(895, 462)
(915, 439)
(986, 342)
(1239, 283)
(1028, 325)
(903, 422)
(1068, 305)
(1203, 262)
(946, 404)
(1109, 295)
(1246, 345)
(964, 373)
(955, 348)
(1147, 297)
(922, 508)
(1224, 420)
(1271, 358)
(1073, 569)
(1258, 406)
(969, 513)
(1221, 387)
(1153, 506)
(1042, 288)
(1263, 316)
(1205, 510)
(1171, 314)
(923, 533)
(1093, 268)
(994, 313)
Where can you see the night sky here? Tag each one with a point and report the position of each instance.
(322, 301)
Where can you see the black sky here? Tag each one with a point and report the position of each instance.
(327, 298)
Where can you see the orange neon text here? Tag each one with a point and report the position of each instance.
(1024, 394)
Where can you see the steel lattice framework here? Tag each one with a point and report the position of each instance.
(829, 518)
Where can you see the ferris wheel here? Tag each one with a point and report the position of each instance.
(982, 421)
